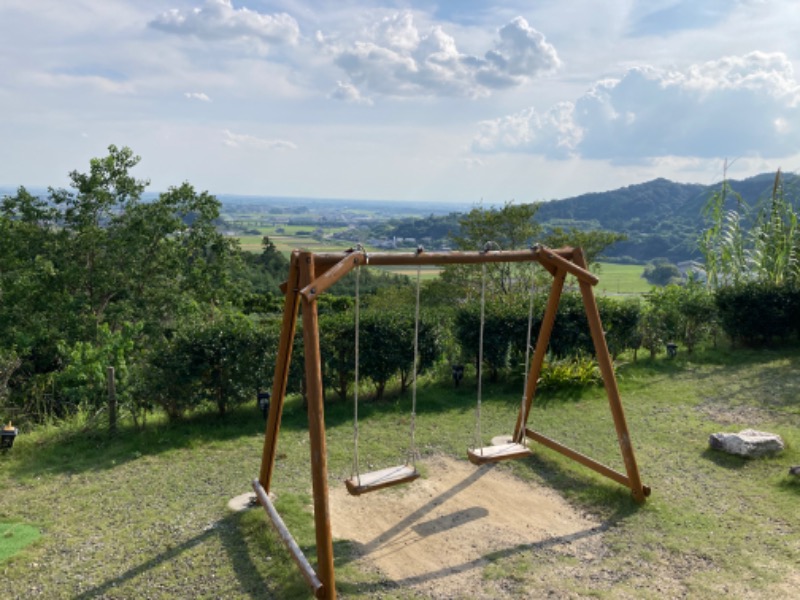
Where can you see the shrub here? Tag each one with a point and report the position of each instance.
(756, 314)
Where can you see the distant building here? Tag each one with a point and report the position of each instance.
(692, 269)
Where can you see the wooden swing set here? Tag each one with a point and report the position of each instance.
(310, 275)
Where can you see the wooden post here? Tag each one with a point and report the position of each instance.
(316, 430)
(112, 401)
(610, 380)
(281, 377)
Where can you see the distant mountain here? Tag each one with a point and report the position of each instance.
(661, 218)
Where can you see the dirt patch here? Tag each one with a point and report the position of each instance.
(436, 534)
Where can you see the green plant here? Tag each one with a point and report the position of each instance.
(574, 371)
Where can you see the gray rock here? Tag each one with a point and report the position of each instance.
(748, 443)
(795, 471)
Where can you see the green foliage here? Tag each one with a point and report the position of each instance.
(82, 267)
(265, 272)
(82, 383)
(775, 239)
(9, 362)
(742, 245)
(678, 314)
(620, 318)
(386, 346)
(506, 325)
(508, 228)
(337, 345)
(223, 359)
(758, 314)
(593, 243)
(499, 329)
(573, 371)
(662, 272)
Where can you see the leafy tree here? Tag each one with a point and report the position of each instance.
(675, 313)
(661, 272)
(9, 362)
(337, 343)
(385, 347)
(88, 262)
(82, 382)
(621, 322)
(511, 227)
(223, 358)
(757, 313)
(593, 243)
(498, 331)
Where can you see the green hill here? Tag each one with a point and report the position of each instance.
(661, 218)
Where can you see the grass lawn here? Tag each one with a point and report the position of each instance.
(144, 514)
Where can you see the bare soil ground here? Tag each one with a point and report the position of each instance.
(435, 535)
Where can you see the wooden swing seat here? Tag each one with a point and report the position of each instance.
(376, 480)
(492, 454)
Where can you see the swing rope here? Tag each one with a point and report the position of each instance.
(524, 417)
(477, 441)
(393, 475)
(413, 445)
(517, 448)
(354, 472)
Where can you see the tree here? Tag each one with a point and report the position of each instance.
(386, 347)
(498, 331)
(508, 228)
(92, 260)
(337, 343)
(593, 243)
(661, 272)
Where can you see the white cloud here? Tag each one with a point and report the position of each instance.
(197, 96)
(737, 105)
(349, 93)
(472, 163)
(552, 133)
(219, 20)
(397, 60)
(246, 141)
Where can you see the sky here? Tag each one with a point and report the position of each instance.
(469, 101)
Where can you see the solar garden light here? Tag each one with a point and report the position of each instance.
(263, 403)
(7, 436)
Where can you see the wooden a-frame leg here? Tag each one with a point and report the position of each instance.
(542, 341)
(316, 430)
(280, 380)
(609, 379)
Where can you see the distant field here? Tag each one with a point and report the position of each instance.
(621, 279)
(289, 240)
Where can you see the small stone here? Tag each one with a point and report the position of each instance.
(795, 471)
(748, 443)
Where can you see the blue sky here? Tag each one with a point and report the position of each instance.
(463, 100)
